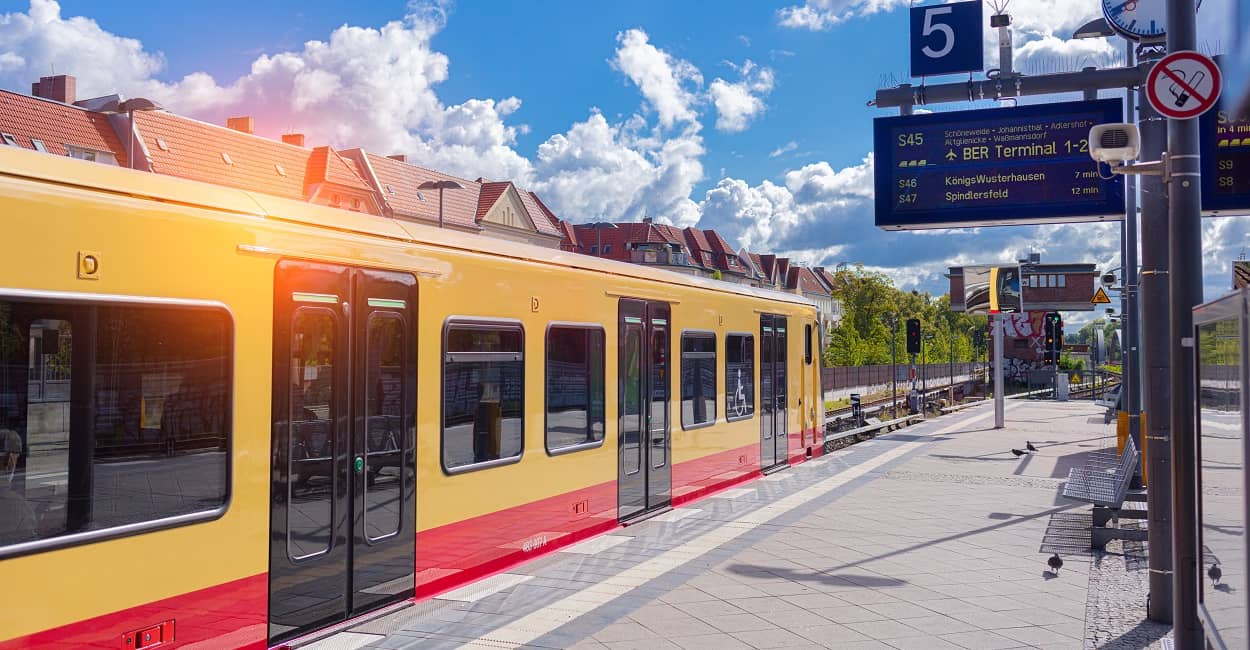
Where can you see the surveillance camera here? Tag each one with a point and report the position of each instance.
(1114, 143)
(1108, 279)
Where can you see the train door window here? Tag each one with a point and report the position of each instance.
(384, 424)
(575, 387)
(658, 415)
(1063, 280)
(114, 419)
(483, 394)
(807, 344)
(310, 453)
(698, 379)
(631, 405)
(739, 376)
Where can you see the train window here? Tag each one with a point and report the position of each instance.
(739, 376)
(807, 344)
(698, 379)
(631, 404)
(384, 427)
(575, 387)
(483, 394)
(310, 455)
(114, 419)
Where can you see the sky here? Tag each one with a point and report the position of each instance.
(749, 117)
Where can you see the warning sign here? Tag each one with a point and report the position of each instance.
(1100, 298)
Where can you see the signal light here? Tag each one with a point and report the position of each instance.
(913, 336)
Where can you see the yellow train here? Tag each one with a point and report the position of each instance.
(230, 419)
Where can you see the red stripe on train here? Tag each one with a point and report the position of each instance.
(234, 614)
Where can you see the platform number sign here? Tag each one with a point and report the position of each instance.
(946, 39)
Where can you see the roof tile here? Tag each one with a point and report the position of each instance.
(56, 124)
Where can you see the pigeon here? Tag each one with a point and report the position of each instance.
(1017, 452)
(1055, 563)
(1028, 445)
(1214, 574)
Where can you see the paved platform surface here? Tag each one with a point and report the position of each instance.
(925, 538)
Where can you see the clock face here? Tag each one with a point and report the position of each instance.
(1137, 19)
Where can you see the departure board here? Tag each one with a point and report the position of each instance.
(998, 166)
(1225, 161)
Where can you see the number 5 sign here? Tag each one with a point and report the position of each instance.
(946, 38)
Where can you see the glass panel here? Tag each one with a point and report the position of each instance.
(1223, 477)
(631, 406)
(658, 416)
(483, 400)
(384, 425)
(739, 376)
(575, 386)
(310, 461)
(698, 379)
(807, 344)
(110, 415)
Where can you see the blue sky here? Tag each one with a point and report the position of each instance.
(744, 116)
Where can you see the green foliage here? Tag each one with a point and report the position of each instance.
(1068, 363)
(868, 298)
(716, 274)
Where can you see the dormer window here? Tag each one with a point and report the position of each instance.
(9, 139)
(38, 145)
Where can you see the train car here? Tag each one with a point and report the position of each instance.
(243, 419)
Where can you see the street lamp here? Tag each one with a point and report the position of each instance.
(599, 226)
(891, 319)
(129, 107)
(440, 186)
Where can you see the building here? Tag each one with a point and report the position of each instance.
(1044, 287)
(107, 129)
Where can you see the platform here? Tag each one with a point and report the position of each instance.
(928, 537)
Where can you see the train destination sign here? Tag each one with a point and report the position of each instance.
(994, 167)
(1225, 161)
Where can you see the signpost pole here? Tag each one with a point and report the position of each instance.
(1153, 294)
(1185, 279)
(997, 326)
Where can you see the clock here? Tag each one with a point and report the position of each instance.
(1137, 20)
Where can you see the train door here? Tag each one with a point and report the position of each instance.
(644, 474)
(343, 469)
(805, 392)
(773, 429)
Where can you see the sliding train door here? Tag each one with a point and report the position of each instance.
(644, 474)
(773, 406)
(343, 469)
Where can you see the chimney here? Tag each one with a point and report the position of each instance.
(61, 88)
(646, 219)
(241, 124)
(399, 156)
(296, 139)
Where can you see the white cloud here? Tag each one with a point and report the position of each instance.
(739, 102)
(361, 87)
(818, 15)
(783, 149)
(663, 79)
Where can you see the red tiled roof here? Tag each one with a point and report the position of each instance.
(491, 191)
(697, 240)
(57, 124)
(325, 165)
(398, 182)
(193, 149)
(807, 282)
(546, 212)
(542, 223)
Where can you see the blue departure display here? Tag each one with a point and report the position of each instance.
(1225, 161)
(998, 166)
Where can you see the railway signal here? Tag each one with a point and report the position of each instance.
(913, 336)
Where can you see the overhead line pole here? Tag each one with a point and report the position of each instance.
(1185, 282)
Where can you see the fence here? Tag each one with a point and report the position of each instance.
(843, 377)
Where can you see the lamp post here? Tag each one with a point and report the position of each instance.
(891, 319)
(440, 186)
(130, 107)
(599, 226)
(950, 368)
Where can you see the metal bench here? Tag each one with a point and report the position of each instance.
(1107, 487)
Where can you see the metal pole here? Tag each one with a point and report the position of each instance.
(1131, 372)
(999, 405)
(440, 207)
(1153, 297)
(950, 368)
(1185, 282)
(894, 367)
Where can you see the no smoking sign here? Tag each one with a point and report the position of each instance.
(1183, 85)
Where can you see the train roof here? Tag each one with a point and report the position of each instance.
(70, 172)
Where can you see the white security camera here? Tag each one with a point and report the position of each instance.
(1114, 143)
